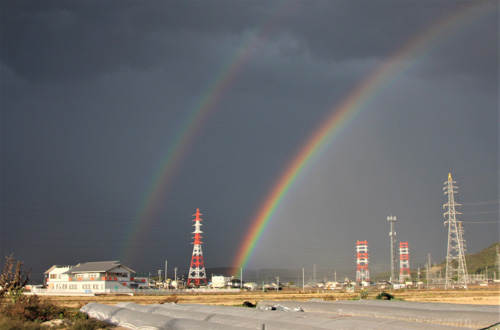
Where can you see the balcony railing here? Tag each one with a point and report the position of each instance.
(98, 278)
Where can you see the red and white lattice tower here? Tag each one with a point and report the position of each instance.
(362, 273)
(197, 273)
(404, 262)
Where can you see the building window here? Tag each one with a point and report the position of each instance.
(86, 286)
(72, 286)
(53, 276)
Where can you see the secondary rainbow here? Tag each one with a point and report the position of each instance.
(187, 133)
(341, 115)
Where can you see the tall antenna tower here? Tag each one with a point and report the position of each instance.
(404, 262)
(456, 269)
(197, 273)
(362, 273)
(392, 236)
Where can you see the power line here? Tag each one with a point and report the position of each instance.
(481, 212)
(482, 203)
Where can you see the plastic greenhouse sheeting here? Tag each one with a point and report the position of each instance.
(296, 315)
(471, 316)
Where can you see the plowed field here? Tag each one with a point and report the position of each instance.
(482, 296)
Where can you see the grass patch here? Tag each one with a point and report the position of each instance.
(170, 299)
(29, 312)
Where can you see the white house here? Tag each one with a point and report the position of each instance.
(90, 277)
(56, 275)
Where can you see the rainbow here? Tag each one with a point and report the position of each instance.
(341, 115)
(214, 93)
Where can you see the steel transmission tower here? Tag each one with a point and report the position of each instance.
(197, 273)
(362, 273)
(456, 268)
(392, 235)
(404, 262)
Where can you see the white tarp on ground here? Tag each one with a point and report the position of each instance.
(470, 316)
(316, 315)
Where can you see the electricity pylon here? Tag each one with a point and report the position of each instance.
(197, 273)
(456, 268)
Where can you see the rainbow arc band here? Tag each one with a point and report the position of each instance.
(340, 116)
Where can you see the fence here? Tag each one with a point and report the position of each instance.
(129, 291)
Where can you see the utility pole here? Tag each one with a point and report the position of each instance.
(335, 276)
(314, 276)
(165, 271)
(428, 270)
(497, 264)
(159, 275)
(175, 276)
(241, 278)
(392, 236)
(498, 261)
(303, 280)
(429, 261)
(455, 255)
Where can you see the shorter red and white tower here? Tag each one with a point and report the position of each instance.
(197, 273)
(362, 273)
(404, 262)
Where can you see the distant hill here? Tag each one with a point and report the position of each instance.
(476, 263)
(488, 257)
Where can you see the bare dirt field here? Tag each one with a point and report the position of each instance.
(481, 296)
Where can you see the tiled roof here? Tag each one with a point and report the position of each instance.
(98, 266)
(58, 266)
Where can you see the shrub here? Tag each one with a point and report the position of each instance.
(75, 315)
(385, 296)
(13, 280)
(30, 308)
(363, 294)
(249, 304)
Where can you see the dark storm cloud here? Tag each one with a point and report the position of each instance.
(93, 95)
(77, 40)
(71, 41)
(378, 29)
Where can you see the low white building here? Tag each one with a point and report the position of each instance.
(221, 281)
(90, 277)
(250, 286)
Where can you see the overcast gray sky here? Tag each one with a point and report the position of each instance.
(94, 95)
